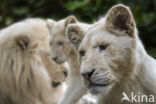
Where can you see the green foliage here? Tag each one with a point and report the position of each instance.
(152, 51)
(85, 10)
(71, 6)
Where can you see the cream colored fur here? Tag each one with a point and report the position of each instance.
(113, 59)
(88, 99)
(23, 75)
(55, 71)
(65, 51)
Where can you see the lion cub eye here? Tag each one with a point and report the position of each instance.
(102, 47)
(60, 43)
(82, 53)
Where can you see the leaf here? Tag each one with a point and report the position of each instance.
(98, 2)
(152, 52)
(71, 6)
(21, 10)
(8, 21)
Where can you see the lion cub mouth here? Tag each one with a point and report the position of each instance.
(98, 88)
(89, 83)
(100, 85)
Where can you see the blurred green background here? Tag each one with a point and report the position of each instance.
(85, 10)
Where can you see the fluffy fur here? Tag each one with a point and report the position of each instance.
(63, 50)
(113, 59)
(23, 75)
(56, 72)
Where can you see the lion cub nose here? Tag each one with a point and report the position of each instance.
(54, 58)
(87, 75)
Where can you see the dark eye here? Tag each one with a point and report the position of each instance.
(60, 43)
(102, 47)
(82, 53)
(51, 43)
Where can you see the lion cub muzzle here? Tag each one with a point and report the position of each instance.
(96, 79)
(87, 75)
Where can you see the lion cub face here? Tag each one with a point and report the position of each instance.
(59, 43)
(107, 50)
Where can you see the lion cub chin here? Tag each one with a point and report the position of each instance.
(114, 63)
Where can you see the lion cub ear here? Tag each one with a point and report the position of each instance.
(50, 23)
(25, 43)
(120, 17)
(69, 20)
(74, 34)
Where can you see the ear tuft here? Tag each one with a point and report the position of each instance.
(120, 17)
(69, 20)
(23, 42)
(50, 23)
(74, 34)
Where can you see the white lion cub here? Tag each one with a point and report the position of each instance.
(114, 63)
(63, 50)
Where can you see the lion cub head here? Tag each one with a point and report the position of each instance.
(59, 43)
(106, 49)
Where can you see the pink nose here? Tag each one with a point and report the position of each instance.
(87, 75)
